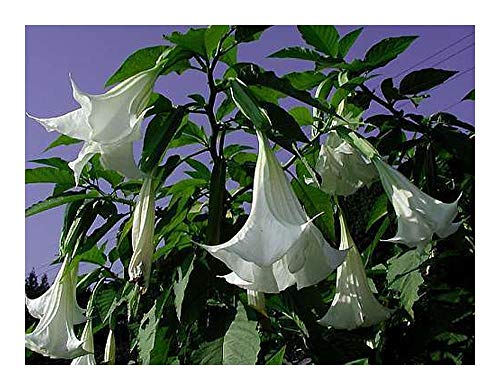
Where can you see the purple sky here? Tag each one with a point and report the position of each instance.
(92, 53)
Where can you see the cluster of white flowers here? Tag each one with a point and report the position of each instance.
(278, 246)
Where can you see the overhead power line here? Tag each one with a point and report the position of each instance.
(434, 54)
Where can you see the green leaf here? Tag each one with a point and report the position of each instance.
(59, 200)
(180, 287)
(389, 91)
(62, 140)
(249, 33)
(249, 105)
(213, 35)
(189, 133)
(347, 41)
(315, 202)
(404, 276)
(277, 358)
(241, 342)
(363, 361)
(157, 104)
(159, 132)
(367, 254)
(147, 338)
(379, 209)
(423, 79)
(104, 300)
(137, 62)
(323, 38)
(284, 129)
(305, 80)
(253, 75)
(226, 107)
(302, 115)
(201, 171)
(209, 353)
(55, 162)
(387, 50)
(470, 96)
(300, 53)
(49, 175)
(193, 40)
(93, 256)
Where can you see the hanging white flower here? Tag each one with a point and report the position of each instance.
(419, 215)
(353, 305)
(279, 245)
(58, 312)
(108, 123)
(343, 169)
(110, 348)
(143, 227)
(88, 345)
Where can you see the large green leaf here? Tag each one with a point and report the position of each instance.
(404, 276)
(241, 342)
(277, 358)
(387, 50)
(59, 200)
(213, 35)
(209, 353)
(323, 38)
(253, 75)
(159, 132)
(248, 105)
(470, 96)
(193, 40)
(285, 130)
(423, 79)
(347, 41)
(180, 286)
(301, 53)
(138, 61)
(302, 115)
(249, 33)
(305, 80)
(49, 175)
(147, 338)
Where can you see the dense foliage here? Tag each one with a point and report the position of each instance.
(189, 314)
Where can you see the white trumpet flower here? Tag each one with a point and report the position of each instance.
(354, 304)
(108, 123)
(143, 227)
(110, 348)
(343, 169)
(279, 245)
(58, 312)
(88, 345)
(419, 215)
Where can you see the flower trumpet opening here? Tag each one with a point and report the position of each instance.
(278, 245)
(108, 123)
(419, 215)
(58, 312)
(353, 305)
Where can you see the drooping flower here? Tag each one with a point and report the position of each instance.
(143, 226)
(110, 348)
(58, 312)
(88, 345)
(343, 169)
(353, 305)
(279, 245)
(108, 123)
(419, 215)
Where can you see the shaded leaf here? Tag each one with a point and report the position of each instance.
(241, 342)
(347, 41)
(300, 53)
(138, 61)
(423, 79)
(323, 38)
(249, 33)
(277, 358)
(387, 50)
(59, 200)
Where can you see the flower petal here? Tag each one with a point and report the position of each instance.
(73, 124)
(120, 157)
